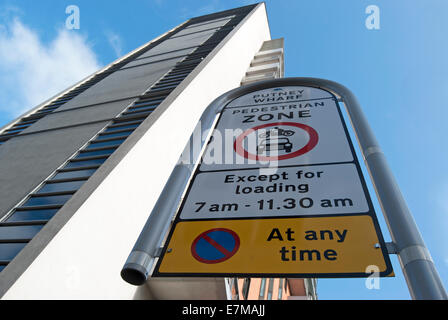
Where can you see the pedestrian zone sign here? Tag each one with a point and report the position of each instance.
(283, 197)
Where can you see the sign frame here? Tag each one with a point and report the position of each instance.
(371, 213)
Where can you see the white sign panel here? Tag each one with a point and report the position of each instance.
(291, 191)
(280, 96)
(293, 133)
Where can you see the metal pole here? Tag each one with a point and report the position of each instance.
(141, 260)
(421, 275)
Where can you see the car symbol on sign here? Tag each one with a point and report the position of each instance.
(274, 144)
(276, 132)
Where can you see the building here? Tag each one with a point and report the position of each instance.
(81, 172)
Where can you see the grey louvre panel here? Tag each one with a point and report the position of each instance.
(180, 43)
(85, 163)
(46, 201)
(30, 159)
(155, 58)
(192, 36)
(18, 233)
(100, 144)
(61, 186)
(10, 250)
(79, 116)
(124, 83)
(204, 26)
(32, 215)
(110, 135)
(74, 174)
(196, 24)
(94, 153)
(129, 126)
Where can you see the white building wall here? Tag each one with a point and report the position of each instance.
(85, 258)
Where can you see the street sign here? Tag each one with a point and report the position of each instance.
(291, 191)
(295, 133)
(279, 191)
(282, 247)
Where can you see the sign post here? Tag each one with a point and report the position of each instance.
(285, 196)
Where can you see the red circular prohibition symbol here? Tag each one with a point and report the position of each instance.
(215, 245)
(314, 138)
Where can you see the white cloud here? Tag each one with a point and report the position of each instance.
(116, 43)
(32, 71)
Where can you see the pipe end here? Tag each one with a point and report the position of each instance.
(137, 268)
(134, 274)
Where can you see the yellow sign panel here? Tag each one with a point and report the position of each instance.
(327, 246)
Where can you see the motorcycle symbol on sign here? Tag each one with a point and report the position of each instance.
(274, 140)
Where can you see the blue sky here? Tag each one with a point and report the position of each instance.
(397, 72)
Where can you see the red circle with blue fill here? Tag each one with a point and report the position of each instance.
(215, 245)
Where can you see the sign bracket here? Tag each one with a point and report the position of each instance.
(391, 248)
(158, 252)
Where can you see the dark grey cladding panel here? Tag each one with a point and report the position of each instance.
(208, 24)
(25, 161)
(79, 116)
(176, 55)
(187, 41)
(134, 81)
(121, 84)
(202, 27)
